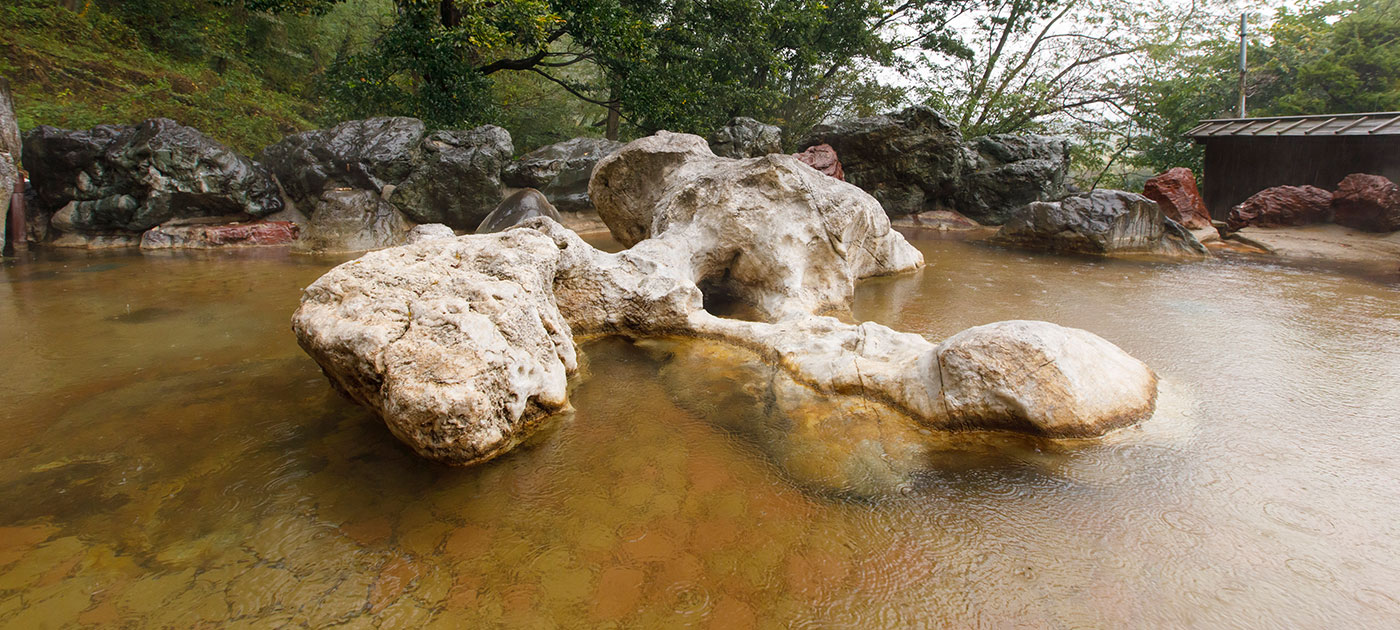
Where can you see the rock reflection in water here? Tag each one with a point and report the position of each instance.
(833, 445)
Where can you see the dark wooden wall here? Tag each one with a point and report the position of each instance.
(1238, 167)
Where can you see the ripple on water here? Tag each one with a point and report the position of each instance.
(1298, 517)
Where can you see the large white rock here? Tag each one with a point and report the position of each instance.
(464, 344)
(456, 342)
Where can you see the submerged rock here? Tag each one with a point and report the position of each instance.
(745, 138)
(1012, 171)
(113, 179)
(463, 345)
(823, 158)
(451, 176)
(561, 171)
(219, 235)
(1367, 202)
(1282, 206)
(521, 205)
(1175, 191)
(1099, 222)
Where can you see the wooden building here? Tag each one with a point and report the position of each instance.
(1247, 155)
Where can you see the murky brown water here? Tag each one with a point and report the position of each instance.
(172, 459)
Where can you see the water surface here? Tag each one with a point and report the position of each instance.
(172, 459)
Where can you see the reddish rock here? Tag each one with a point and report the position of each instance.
(1175, 191)
(1367, 202)
(224, 235)
(1282, 206)
(823, 158)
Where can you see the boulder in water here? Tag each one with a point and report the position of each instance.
(350, 220)
(1175, 191)
(1282, 206)
(1010, 172)
(1367, 202)
(521, 205)
(745, 138)
(450, 177)
(911, 161)
(463, 345)
(1099, 222)
(130, 179)
(561, 171)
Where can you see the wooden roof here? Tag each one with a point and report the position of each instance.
(1372, 124)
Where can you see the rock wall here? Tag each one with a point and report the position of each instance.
(463, 345)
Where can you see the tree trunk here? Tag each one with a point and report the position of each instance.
(613, 122)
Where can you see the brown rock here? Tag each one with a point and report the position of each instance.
(1283, 206)
(823, 158)
(1367, 202)
(226, 235)
(1175, 191)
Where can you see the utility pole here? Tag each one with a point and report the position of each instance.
(1244, 26)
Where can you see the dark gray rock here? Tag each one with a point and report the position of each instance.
(745, 138)
(526, 203)
(912, 161)
(450, 177)
(1099, 222)
(353, 220)
(130, 179)
(1012, 171)
(561, 171)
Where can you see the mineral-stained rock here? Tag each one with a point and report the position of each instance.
(219, 235)
(823, 158)
(349, 220)
(746, 138)
(1282, 206)
(910, 161)
(561, 171)
(1099, 222)
(1012, 171)
(523, 204)
(1175, 191)
(462, 345)
(130, 179)
(450, 177)
(1367, 202)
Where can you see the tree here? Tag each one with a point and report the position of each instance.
(685, 65)
(1029, 63)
